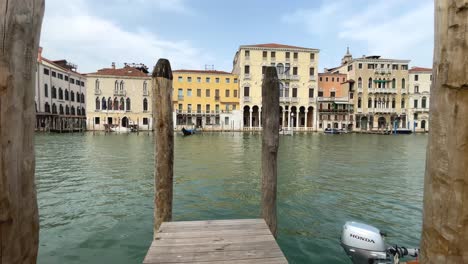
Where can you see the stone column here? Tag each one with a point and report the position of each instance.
(305, 119)
(284, 119)
(250, 118)
(260, 117)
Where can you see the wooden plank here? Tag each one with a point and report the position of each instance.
(219, 241)
(280, 260)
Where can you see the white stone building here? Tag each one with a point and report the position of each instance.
(420, 81)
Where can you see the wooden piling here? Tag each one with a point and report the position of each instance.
(20, 27)
(270, 143)
(164, 142)
(445, 222)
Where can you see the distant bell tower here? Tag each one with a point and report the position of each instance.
(347, 57)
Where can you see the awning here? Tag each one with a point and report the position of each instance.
(381, 81)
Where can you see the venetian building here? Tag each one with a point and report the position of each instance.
(335, 102)
(420, 81)
(380, 91)
(119, 97)
(297, 71)
(60, 96)
(206, 99)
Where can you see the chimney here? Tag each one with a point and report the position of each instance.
(113, 65)
(39, 54)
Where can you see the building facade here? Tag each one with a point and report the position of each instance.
(420, 81)
(335, 107)
(297, 71)
(206, 99)
(380, 91)
(60, 96)
(119, 97)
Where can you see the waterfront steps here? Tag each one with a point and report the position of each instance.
(215, 241)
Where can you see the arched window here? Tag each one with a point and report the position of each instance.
(104, 106)
(82, 97)
(78, 110)
(359, 83)
(98, 103)
(393, 103)
(145, 104)
(369, 103)
(47, 108)
(122, 104)
(375, 102)
(359, 102)
(116, 103)
(402, 103)
(96, 87)
(77, 97)
(128, 104)
(83, 111)
(46, 90)
(54, 109)
(379, 104)
(280, 68)
(66, 95)
(61, 109)
(369, 85)
(54, 92)
(60, 94)
(393, 83)
(387, 105)
(72, 96)
(73, 110)
(116, 87)
(403, 84)
(380, 83)
(424, 102)
(109, 103)
(67, 110)
(121, 86)
(281, 89)
(145, 88)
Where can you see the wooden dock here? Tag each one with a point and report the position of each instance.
(215, 241)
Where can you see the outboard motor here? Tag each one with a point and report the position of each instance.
(365, 244)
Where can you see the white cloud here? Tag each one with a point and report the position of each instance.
(92, 42)
(398, 28)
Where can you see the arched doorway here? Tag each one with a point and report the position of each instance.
(255, 116)
(246, 116)
(125, 122)
(310, 116)
(382, 122)
(302, 116)
(364, 122)
(423, 125)
(294, 116)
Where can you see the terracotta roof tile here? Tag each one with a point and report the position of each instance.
(275, 45)
(201, 71)
(420, 69)
(125, 71)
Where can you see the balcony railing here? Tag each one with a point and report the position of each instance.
(421, 109)
(247, 77)
(382, 110)
(382, 71)
(247, 99)
(312, 78)
(295, 77)
(289, 99)
(120, 92)
(333, 99)
(311, 100)
(359, 90)
(382, 90)
(97, 91)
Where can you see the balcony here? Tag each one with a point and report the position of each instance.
(382, 110)
(120, 92)
(283, 76)
(247, 99)
(247, 77)
(312, 78)
(289, 99)
(97, 91)
(311, 100)
(383, 90)
(382, 71)
(403, 91)
(359, 90)
(295, 78)
(333, 99)
(421, 110)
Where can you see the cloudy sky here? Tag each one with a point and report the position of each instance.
(195, 33)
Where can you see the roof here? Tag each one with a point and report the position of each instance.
(331, 74)
(420, 69)
(59, 66)
(126, 71)
(276, 46)
(201, 71)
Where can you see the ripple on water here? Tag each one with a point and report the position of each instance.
(96, 192)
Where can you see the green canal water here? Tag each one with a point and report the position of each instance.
(95, 192)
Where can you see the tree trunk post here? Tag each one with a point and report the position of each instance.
(20, 28)
(270, 143)
(164, 142)
(445, 222)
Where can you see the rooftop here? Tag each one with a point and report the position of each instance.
(275, 46)
(420, 69)
(201, 71)
(127, 71)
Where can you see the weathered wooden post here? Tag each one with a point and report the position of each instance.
(164, 142)
(270, 143)
(445, 223)
(20, 27)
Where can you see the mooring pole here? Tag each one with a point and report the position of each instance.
(445, 222)
(20, 27)
(164, 142)
(270, 143)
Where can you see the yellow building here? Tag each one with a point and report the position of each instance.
(119, 98)
(297, 71)
(206, 99)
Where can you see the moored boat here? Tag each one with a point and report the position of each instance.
(188, 132)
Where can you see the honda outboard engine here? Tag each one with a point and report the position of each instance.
(365, 244)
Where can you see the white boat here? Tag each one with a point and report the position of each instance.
(120, 129)
(286, 131)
